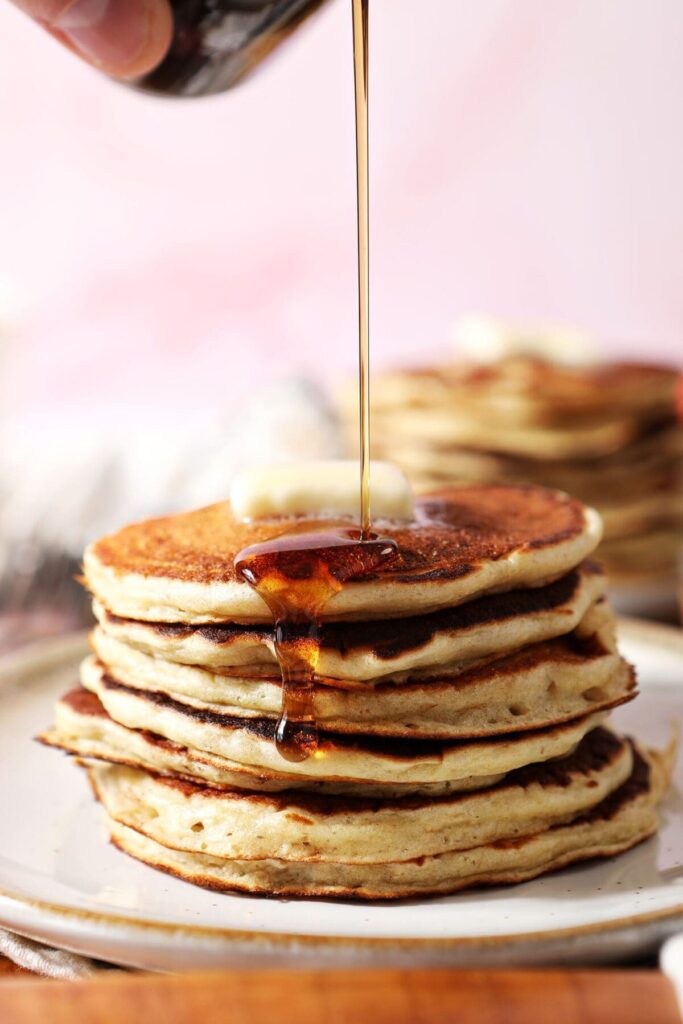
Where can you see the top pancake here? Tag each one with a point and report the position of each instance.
(463, 542)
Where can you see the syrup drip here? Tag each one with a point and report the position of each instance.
(296, 574)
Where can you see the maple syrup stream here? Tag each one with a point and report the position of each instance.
(360, 67)
(298, 572)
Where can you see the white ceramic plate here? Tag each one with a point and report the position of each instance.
(60, 881)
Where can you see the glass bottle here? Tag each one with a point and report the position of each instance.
(216, 43)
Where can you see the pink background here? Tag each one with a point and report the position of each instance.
(527, 161)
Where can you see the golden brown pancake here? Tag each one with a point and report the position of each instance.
(659, 551)
(624, 818)
(329, 829)
(380, 648)
(84, 728)
(531, 688)
(528, 390)
(552, 441)
(650, 465)
(339, 757)
(609, 435)
(459, 716)
(463, 542)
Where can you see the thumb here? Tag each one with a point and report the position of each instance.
(124, 38)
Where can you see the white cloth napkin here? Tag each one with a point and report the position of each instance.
(64, 482)
(53, 963)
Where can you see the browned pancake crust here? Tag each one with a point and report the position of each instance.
(596, 751)
(653, 445)
(563, 389)
(86, 703)
(83, 702)
(396, 748)
(553, 379)
(388, 638)
(570, 649)
(455, 530)
(638, 784)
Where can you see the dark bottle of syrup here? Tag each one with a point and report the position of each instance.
(217, 43)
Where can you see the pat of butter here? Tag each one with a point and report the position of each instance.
(320, 488)
(486, 340)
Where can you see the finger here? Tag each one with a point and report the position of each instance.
(124, 38)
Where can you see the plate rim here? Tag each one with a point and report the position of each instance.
(49, 650)
(106, 922)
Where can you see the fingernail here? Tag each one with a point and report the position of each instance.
(109, 33)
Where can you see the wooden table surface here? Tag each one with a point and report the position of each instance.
(347, 997)
(10, 970)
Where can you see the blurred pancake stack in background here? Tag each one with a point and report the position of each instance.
(461, 698)
(516, 408)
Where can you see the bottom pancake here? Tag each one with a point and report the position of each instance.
(626, 817)
(300, 827)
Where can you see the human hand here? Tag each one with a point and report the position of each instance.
(123, 38)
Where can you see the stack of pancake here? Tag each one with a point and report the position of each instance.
(606, 434)
(462, 702)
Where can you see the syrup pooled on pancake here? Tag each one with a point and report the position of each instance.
(461, 543)
(296, 574)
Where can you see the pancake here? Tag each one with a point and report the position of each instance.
(379, 648)
(525, 390)
(654, 593)
(449, 424)
(658, 451)
(249, 741)
(654, 513)
(655, 552)
(624, 818)
(460, 701)
(292, 827)
(540, 685)
(609, 435)
(83, 728)
(463, 543)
